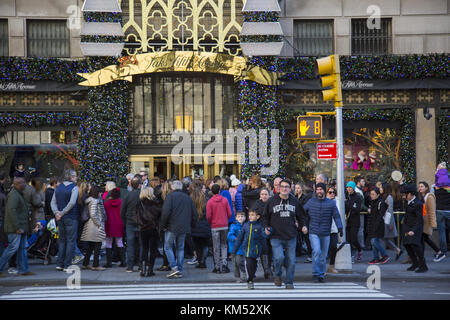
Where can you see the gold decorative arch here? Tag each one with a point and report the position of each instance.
(180, 61)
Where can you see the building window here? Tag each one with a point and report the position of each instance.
(194, 102)
(313, 37)
(374, 41)
(47, 38)
(4, 43)
(38, 137)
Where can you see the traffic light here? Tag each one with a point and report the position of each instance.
(329, 68)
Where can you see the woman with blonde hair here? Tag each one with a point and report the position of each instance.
(148, 216)
(109, 186)
(165, 190)
(429, 216)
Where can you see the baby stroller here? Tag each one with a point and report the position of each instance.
(42, 244)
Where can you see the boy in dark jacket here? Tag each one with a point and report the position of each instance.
(250, 237)
(239, 262)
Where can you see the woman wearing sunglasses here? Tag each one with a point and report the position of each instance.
(332, 250)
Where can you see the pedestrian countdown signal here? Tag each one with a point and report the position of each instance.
(309, 127)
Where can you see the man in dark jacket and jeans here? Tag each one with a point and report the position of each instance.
(128, 214)
(283, 215)
(321, 210)
(178, 217)
(16, 227)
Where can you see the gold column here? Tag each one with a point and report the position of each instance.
(151, 169)
(205, 168)
(168, 162)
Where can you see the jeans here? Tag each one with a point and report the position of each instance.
(16, 243)
(219, 240)
(319, 246)
(377, 248)
(239, 267)
(442, 218)
(361, 231)
(132, 235)
(175, 241)
(67, 241)
(279, 258)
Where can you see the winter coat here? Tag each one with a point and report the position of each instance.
(218, 212)
(259, 207)
(390, 230)
(178, 213)
(251, 196)
(94, 228)
(48, 199)
(202, 228)
(429, 220)
(375, 226)
(148, 215)
(32, 198)
(128, 209)
(238, 198)
(413, 221)
(442, 198)
(114, 224)
(16, 212)
(282, 215)
(233, 234)
(353, 204)
(250, 238)
(321, 213)
(226, 194)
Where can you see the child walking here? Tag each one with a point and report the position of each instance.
(239, 260)
(250, 237)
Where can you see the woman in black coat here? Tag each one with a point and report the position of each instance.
(148, 216)
(412, 229)
(201, 232)
(377, 210)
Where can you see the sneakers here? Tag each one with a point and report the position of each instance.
(173, 273)
(384, 260)
(98, 268)
(308, 260)
(57, 269)
(289, 286)
(277, 281)
(193, 261)
(321, 280)
(439, 256)
(177, 276)
(374, 261)
(163, 268)
(250, 285)
(13, 271)
(422, 269)
(359, 256)
(129, 270)
(77, 259)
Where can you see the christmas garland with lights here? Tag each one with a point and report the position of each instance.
(261, 16)
(443, 135)
(102, 16)
(40, 119)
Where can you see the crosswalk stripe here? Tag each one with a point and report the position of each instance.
(197, 291)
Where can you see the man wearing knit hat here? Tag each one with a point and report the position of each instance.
(353, 203)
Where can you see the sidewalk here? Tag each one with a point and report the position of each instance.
(393, 270)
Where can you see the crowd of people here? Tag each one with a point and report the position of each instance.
(237, 221)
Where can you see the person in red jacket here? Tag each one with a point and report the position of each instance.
(114, 227)
(217, 213)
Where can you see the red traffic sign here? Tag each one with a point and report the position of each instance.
(326, 151)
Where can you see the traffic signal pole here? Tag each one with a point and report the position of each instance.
(329, 68)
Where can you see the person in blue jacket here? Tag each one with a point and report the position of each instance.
(250, 238)
(238, 201)
(239, 261)
(321, 211)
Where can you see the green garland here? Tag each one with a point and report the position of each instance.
(443, 135)
(102, 39)
(264, 16)
(259, 38)
(104, 135)
(102, 16)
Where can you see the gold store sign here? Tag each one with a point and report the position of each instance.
(181, 61)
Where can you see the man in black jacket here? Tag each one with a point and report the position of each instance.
(128, 214)
(178, 217)
(412, 230)
(283, 215)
